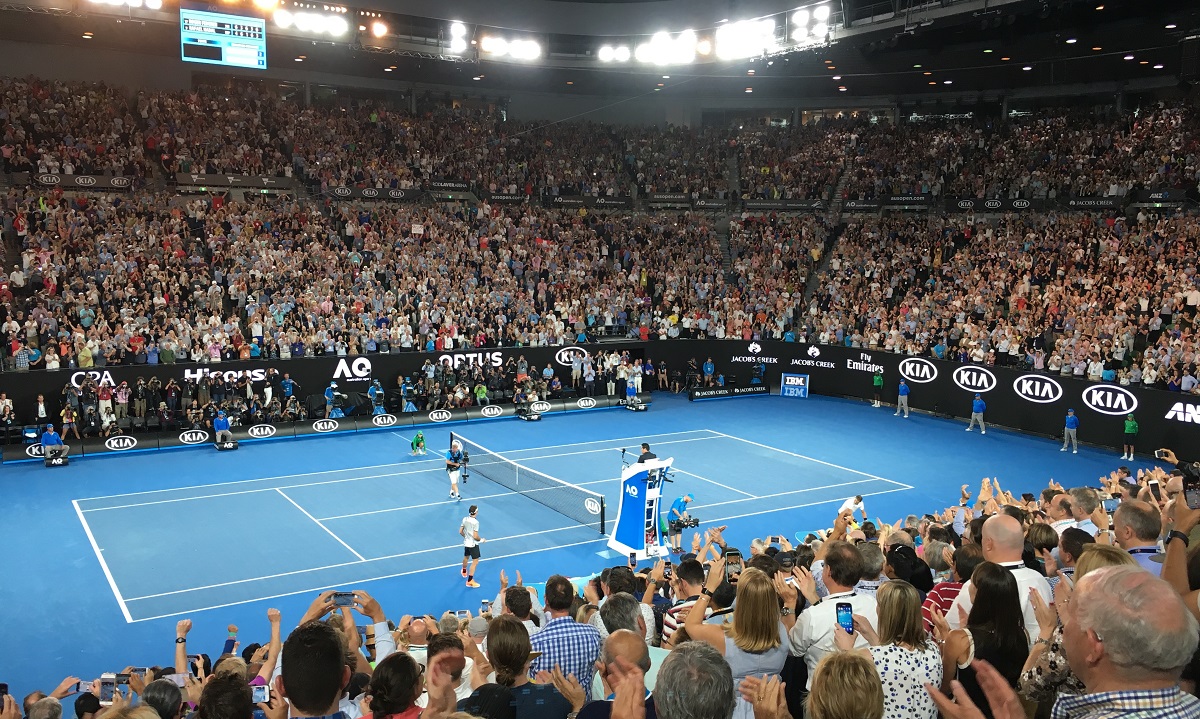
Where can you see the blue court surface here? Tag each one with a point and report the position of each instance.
(104, 556)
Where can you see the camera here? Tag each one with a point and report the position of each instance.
(466, 460)
(679, 525)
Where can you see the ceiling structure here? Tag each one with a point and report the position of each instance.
(999, 46)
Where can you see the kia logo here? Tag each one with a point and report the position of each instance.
(975, 379)
(568, 354)
(492, 410)
(261, 431)
(992, 204)
(439, 415)
(539, 407)
(754, 348)
(35, 450)
(120, 182)
(1020, 204)
(85, 180)
(585, 403)
(49, 179)
(966, 204)
(918, 369)
(370, 192)
(396, 194)
(1037, 388)
(1110, 399)
(341, 191)
(120, 443)
(193, 436)
(325, 425)
(383, 420)
(592, 505)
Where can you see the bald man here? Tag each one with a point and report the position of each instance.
(631, 647)
(1136, 526)
(1003, 542)
(1127, 636)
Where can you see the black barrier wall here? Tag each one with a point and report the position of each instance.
(1028, 401)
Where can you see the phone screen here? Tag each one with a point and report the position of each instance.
(1110, 505)
(667, 569)
(260, 694)
(632, 558)
(845, 616)
(79, 688)
(485, 606)
(362, 634)
(1154, 489)
(343, 599)
(122, 679)
(1191, 493)
(463, 614)
(108, 685)
(3, 689)
(229, 645)
(179, 680)
(195, 663)
(1159, 454)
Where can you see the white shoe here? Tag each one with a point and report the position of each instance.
(1064, 449)
(897, 414)
(983, 431)
(968, 429)
(1074, 451)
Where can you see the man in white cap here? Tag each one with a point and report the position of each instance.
(330, 394)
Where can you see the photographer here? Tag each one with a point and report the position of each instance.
(677, 520)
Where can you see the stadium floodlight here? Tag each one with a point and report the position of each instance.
(379, 28)
(458, 45)
(704, 47)
(821, 13)
(621, 54)
(525, 49)
(154, 4)
(643, 53)
(494, 45)
(283, 18)
(607, 53)
(800, 32)
(801, 18)
(746, 38)
(820, 30)
(457, 29)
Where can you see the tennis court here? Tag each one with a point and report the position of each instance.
(352, 526)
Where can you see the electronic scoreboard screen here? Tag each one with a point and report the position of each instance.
(221, 39)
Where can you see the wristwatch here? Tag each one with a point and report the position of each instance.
(706, 591)
(1176, 534)
(181, 640)
(785, 612)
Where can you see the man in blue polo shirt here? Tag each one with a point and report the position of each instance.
(221, 427)
(902, 399)
(52, 444)
(709, 370)
(978, 407)
(676, 513)
(1070, 430)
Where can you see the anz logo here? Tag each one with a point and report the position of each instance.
(918, 369)
(1110, 399)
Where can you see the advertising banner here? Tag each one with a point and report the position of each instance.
(1171, 196)
(260, 182)
(975, 204)
(1091, 203)
(401, 421)
(861, 205)
(893, 200)
(502, 199)
(442, 184)
(723, 392)
(802, 205)
(375, 193)
(706, 203)
(794, 385)
(75, 182)
(577, 201)
(669, 198)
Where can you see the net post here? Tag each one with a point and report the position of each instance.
(603, 505)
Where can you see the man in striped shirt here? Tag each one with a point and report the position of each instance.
(942, 596)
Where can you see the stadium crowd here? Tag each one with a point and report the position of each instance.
(1071, 602)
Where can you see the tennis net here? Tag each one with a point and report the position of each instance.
(582, 505)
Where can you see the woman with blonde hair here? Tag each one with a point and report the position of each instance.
(1046, 674)
(845, 685)
(755, 643)
(903, 653)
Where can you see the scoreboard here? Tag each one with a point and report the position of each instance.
(222, 39)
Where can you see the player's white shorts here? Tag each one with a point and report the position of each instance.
(454, 474)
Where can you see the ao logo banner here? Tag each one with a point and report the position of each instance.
(1110, 399)
(1038, 388)
(794, 385)
(357, 371)
(918, 369)
(975, 379)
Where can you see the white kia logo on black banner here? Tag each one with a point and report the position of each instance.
(1038, 388)
(370, 192)
(85, 181)
(325, 425)
(396, 194)
(567, 354)
(1110, 399)
(585, 403)
(966, 204)
(193, 436)
(592, 505)
(120, 182)
(342, 191)
(49, 179)
(540, 406)
(992, 204)
(120, 443)
(35, 450)
(261, 431)
(439, 415)
(383, 420)
(1020, 204)
(918, 369)
(491, 410)
(975, 379)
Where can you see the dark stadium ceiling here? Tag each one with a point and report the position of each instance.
(1025, 45)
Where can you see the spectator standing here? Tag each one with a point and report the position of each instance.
(1131, 433)
(978, 407)
(1136, 527)
(902, 398)
(962, 565)
(877, 386)
(562, 641)
(510, 655)
(694, 683)
(1070, 432)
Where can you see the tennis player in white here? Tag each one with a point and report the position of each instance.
(469, 530)
(854, 504)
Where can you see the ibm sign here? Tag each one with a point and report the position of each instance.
(794, 385)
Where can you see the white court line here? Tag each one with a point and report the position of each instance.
(112, 583)
(455, 501)
(705, 479)
(346, 564)
(322, 526)
(363, 581)
(509, 457)
(485, 559)
(812, 459)
(794, 491)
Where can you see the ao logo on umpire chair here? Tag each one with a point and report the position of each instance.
(325, 425)
(918, 369)
(1110, 399)
(491, 410)
(261, 431)
(585, 403)
(592, 505)
(1038, 388)
(539, 407)
(120, 443)
(439, 415)
(383, 420)
(975, 379)
(193, 436)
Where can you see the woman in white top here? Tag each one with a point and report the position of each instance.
(903, 653)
